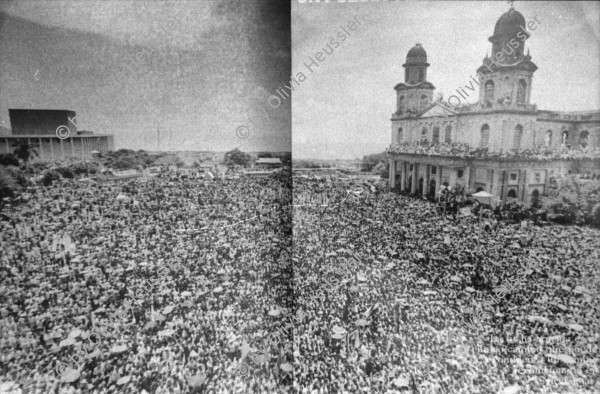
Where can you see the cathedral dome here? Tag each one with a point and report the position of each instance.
(509, 23)
(416, 55)
(417, 51)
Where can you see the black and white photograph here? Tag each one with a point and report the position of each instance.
(299, 196)
(446, 181)
(145, 197)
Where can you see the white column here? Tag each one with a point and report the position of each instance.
(426, 180)
(392, 173)
(415, 174)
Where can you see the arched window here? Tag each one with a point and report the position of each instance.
(517, 137)
(424, 101)
(512, 193)
(401, 104)
(406, 75)
(565, 137)
(436, 134)
(521, 91)
(400, 135)
(535, 198)
(448, 136)
(489, 91)
(485, 136)
(549, 138)
(583, 138)
(421, 75)
(424, 134)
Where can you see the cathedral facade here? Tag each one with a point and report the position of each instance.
(502, 144)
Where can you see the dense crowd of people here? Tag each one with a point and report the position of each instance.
(463, 150)
(391, 297)
(167, 285)
(177, 285)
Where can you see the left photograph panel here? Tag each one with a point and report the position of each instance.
(145, 197)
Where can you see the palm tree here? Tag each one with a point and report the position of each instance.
(24, 150)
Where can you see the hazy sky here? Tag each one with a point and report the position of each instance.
(203, 68)
(343, 108)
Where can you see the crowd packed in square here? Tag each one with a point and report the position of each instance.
(434, 304)
(144, 287)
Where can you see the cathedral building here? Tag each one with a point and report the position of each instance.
(502, 144)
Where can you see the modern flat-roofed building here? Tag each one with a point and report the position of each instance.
(54, 135)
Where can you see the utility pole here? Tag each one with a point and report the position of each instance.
(157, 138)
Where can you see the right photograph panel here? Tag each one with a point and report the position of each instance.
(446, 180)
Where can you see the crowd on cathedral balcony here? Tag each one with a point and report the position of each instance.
(500, 104)
(464, 150)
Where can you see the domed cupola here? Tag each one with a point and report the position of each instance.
(416, 65)
(505, 77)
(509, 23)
(510, 26)
(415, 94)
(416, 55)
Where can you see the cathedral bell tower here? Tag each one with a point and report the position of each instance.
(415, 94)
(505, 77)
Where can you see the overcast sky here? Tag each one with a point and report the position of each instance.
(343, 107)
(204, 68)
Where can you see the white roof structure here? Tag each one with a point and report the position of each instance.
(268, 160)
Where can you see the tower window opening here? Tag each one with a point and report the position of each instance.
(421, 75)
(489, 92)
(401, 104)
(521, 92)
